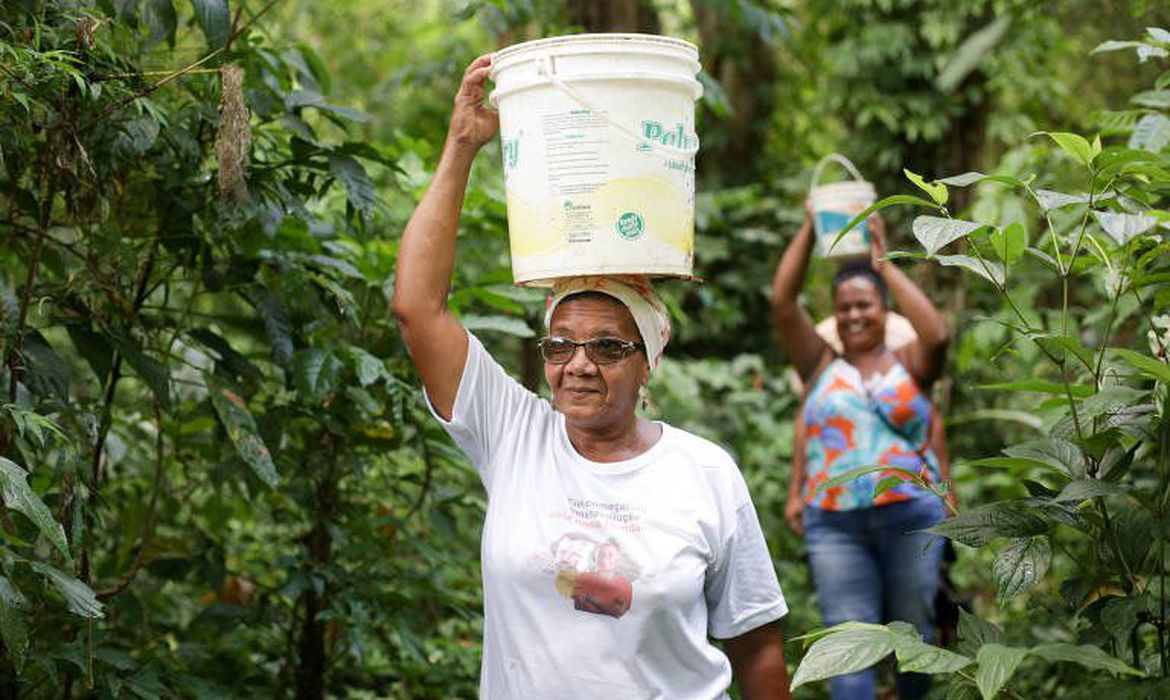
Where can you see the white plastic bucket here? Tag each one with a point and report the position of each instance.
(834, 205)
(599, 152)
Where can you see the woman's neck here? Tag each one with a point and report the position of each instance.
(869, 360)
(614, 443)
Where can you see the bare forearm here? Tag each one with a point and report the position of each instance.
(426, 255)
(916, 306)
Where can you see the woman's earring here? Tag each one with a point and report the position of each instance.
(644, 396)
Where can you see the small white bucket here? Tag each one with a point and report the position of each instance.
(834, 205)
(599, 144)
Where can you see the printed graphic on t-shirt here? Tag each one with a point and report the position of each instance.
(588, 563)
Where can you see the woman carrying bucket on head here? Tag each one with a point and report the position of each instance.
(614, 547)
(866, 405)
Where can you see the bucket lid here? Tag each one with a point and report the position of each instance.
(587, 43)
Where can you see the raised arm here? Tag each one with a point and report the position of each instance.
(794, 328)
(926, 356)
(426, 256)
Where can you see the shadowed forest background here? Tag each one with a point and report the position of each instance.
(218, 475)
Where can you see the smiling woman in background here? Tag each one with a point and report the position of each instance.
(867, 405)
(614, 547)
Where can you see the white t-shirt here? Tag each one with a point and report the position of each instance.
(604, 580)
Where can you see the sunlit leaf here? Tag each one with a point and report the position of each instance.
(1092, 658)
(18, 496)
(1009, 242)
(935, 232)
(845, 651)
(1149, 366)
(1075, 145)
(79, 598)
(1054, 452)
(989, 270)
(976, 527)
(938, 192)
(1122, 227)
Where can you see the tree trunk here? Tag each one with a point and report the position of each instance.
(614, 15)
(319, 545)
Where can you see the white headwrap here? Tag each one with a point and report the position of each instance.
(650, 314)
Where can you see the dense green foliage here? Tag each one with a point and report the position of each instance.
(218, 475)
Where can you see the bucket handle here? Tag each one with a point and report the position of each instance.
(544, 67)
(836, 158)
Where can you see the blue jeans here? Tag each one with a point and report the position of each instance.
(871, 565)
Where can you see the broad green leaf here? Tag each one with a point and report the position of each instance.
(938, 192)
(935, 232)
(504, 324)
(1152, 133)
(974, 632)
(19, 496)
(315, 373)
(1041, 386)
(1112, 400)
(971, 177)
(1149, 366)
(1122, 227)
(1074, 145)
(79, 598)
(878, 206)
(989, 270)
(1158, 99)
(960, 690)
(841, 652)
(1083, 489)
(241, 429)
(1114, 45)
(997, 414)
(160, 17)
(14, 633)
(1009, 243)
(1061, 346)
(1091, 657)
(972, 53)
(272, 312)
(368, 368)
(997, 664)
(214, 20)
(858, 472)
(976, 527)
(359, 188)
(307, 98)
(1057, 453)
(227, 358)
(1001, 463)
(1021, 565)
(1050, 199)
(916, 656)
(149, 370)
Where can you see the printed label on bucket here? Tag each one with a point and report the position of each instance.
(829, 224)
(630, 226)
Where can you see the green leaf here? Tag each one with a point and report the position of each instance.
(997, 664)
(1152, 133)
(368, 368)
(1158, 99)
(971, 177)
(1041, 386)
(1074, 145)
(935, 232)
(315, 373)
(971, 53)
(976, 527)
(997, 414)
(214, 20)
(975, 632)
(1084, 489)
(504, 324)
(1057, 453)
(359, 188)
(938, 192)
(1149, 366)
(1114, 45)
(307, 98)
(1091, 657)
(843, 651)
(878, 206)
(79, 598)
(227, 358)
(989, 270)
(13, 631)
(150, 371)
(1050, 199)
(19, 496)
(916, 656)
(162, 21)
(241, 429)
(1009, 243)
(1122, 227)
(1021, 565)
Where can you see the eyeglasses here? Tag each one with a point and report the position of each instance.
(603, 351)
